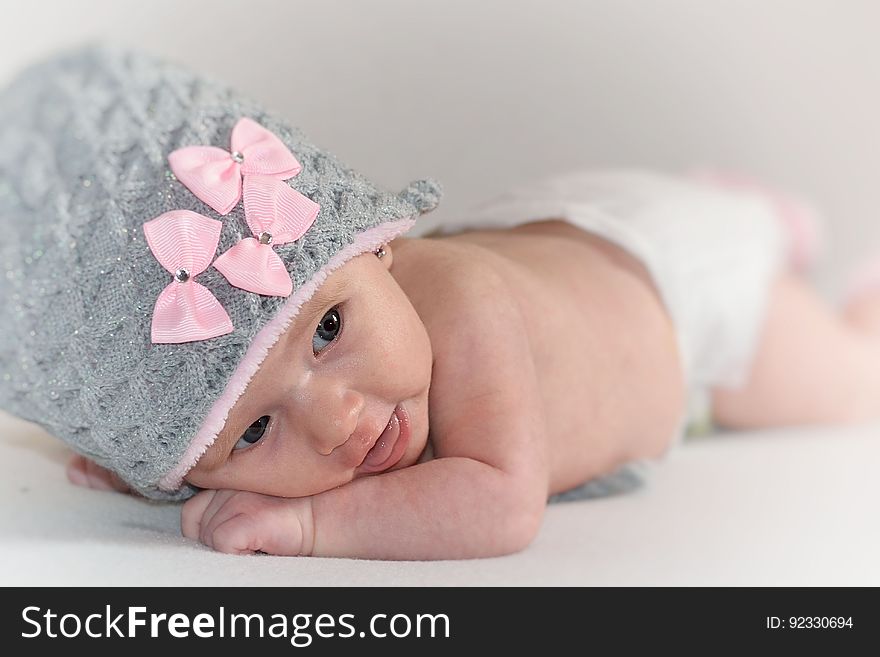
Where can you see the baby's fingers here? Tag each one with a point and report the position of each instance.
(193, 512)
(85, 472)
(246, 533)
(236, 535)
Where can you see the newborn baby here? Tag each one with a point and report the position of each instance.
(366, 394)
(426, 402)
(429, 415)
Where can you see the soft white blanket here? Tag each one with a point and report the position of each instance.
(790, 507)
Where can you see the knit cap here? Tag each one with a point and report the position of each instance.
(159, 233)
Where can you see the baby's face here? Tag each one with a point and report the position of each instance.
(311, 416)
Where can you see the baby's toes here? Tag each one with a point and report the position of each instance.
(861, 297)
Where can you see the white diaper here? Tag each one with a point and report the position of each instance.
(712, 254)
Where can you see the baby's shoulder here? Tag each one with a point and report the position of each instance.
(483, 377)
(444, 279)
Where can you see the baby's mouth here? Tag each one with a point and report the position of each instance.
(389, 446)
(381, 449)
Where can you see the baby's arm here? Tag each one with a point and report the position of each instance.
(450, 508)
(484, 494)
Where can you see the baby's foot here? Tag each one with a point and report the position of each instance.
(83, 472)
(861, 298)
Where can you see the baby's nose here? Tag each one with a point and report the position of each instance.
(336, 421)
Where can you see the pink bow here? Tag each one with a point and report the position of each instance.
(214, 175)
(276, 214)
(184, 243)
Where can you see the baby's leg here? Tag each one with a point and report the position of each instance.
(812, 366)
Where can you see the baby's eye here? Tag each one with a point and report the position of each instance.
(253, 433)
(327, 330)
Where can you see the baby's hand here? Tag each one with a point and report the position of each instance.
(241, 522)
(83, 472)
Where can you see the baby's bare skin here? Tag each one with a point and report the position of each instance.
(601, 341)
(554, 361)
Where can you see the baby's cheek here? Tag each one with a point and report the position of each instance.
(206, 480)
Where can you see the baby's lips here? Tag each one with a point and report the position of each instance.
(381, 449)
(390, 445)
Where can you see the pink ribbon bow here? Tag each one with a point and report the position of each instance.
(214, 175)
(276, 214)
(184, 243)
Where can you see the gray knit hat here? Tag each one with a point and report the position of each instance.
(118, 334)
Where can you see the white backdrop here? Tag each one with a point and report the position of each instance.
(482, 94)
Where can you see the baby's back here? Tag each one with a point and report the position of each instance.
(603, 346)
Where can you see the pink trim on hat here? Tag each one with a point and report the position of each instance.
(369, 240)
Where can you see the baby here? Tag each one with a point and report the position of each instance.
(330, 387)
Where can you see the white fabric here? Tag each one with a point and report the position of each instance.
(712, 254)
(793, 507)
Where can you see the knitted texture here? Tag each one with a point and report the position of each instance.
(84, 141)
